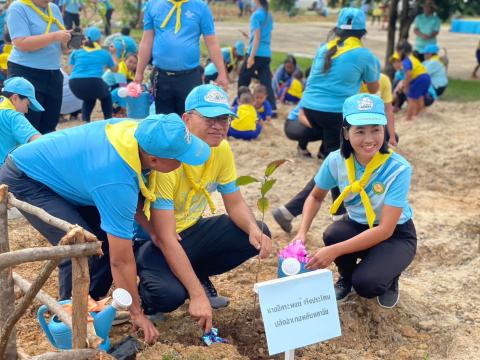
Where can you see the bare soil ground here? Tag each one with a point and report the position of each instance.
(438, 316)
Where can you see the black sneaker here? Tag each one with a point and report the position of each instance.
(216, 301)
(303, 152)
(343, 288)
(390, 298)
(280, 215)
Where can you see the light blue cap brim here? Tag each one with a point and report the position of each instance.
(197, 153)
(365, 119)
(35, 105)
(212, 111)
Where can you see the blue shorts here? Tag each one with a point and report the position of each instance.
(245, 134)
(419, 87)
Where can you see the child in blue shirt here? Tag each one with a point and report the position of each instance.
(17, 96)
(86, 81)
(263, 106)
(378, 227)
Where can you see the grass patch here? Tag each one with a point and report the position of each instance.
(462, 91)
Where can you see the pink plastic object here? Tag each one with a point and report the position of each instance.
(134, 89)
(295, 250)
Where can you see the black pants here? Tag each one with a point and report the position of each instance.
(171, 88)
(260, 69)
(48, 91)
(381, 264)
(330, 124)
(213, 245)
(440, 90)
(88, 217)
(295, 130)
(108, 19)
(70, 18)
(89, 90)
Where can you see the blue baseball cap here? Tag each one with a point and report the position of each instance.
(93, 33)
(364, 109)
(431, 49)
(240, 48)
(351, 19)
(166, 136)
(21, 86)
(209, 100)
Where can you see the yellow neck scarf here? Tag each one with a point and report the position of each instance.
(49, 19)
(6, 104)
(358, 186)
(95, 47)
(348, 44)
(122, 69)
(177, 5)
(121, 136)
(198, 187)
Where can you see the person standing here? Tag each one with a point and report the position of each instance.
(338, 70)
(171, 36)
(426, 29)
(259, 52)
(71, 13)
(38, 35)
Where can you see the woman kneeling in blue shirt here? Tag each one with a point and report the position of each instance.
(86, 81)
(378, 227)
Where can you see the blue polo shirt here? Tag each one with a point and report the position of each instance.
(262, 20)
(327, 91)
(73, 6)
(388, 185)
(15, 130)
(180, 51)
(81, 166)
(22, 21)
(427, 25)
(89, 64)
(265, 110)
(437, 72)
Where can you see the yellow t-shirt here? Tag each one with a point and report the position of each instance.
(296, 88)
(122, 69)
(7, 49)
(247, 118)
(384, 89)
(172, 188)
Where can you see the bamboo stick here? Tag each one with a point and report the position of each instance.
(7, 295)
(46, 217)
(25, 303)
(60, 252)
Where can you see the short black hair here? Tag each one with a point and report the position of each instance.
(346, 148)
(125, 31)
(9, 94)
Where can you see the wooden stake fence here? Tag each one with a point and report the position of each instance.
(77, 244)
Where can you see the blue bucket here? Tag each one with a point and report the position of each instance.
(138, 108)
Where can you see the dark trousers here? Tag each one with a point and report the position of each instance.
(330, 124)
(440, 90)
(48, 91)
(213, 245)
(108, 19)
(295, 130)
(88, 217)
(261, 70)
(381, 264)
(171, 88)
(70, 18)
(89, 90)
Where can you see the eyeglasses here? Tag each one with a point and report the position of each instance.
(222, 120)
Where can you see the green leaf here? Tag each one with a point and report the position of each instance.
(263, 205)
(245, 180)
(274, 165)
(267, 186)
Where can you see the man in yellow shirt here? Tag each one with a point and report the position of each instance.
(186, 248)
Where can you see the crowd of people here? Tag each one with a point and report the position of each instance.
(141, 186)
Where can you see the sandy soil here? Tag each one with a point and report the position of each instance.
(438, 316)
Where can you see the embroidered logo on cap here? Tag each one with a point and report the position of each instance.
(188, 136)
(365, 103)
(215, 96)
